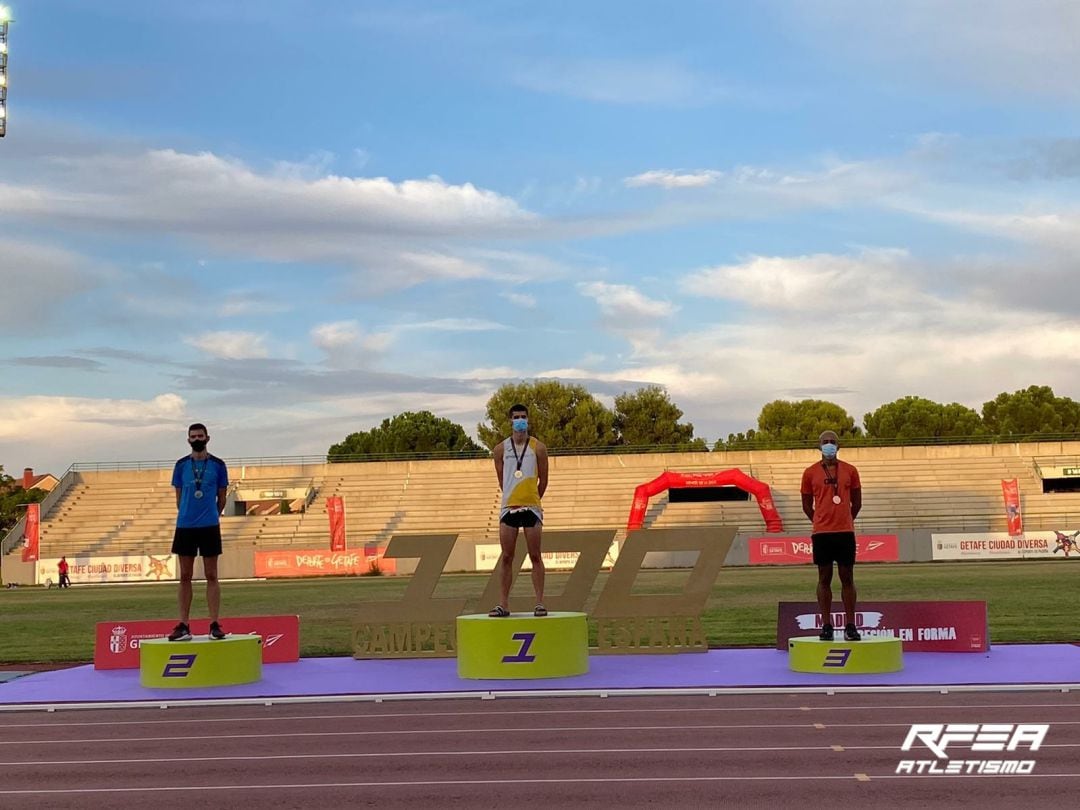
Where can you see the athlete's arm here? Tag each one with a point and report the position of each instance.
(541, 468)
(497, 454)
(856, 502)
(808, 506)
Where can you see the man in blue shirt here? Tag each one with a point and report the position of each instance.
(201, 481)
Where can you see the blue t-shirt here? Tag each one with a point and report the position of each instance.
(211, 475)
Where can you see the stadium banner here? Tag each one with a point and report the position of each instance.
(335, 509)
(487, 555)
(1001, 546)
(84, 568)
(921, 626)
(116, 644)
(1011, 492)
(31, 533)
(794, 550)
(317, 562)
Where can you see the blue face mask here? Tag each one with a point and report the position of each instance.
(520, 425)
(829, 450)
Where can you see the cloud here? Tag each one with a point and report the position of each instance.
(58, 416)
(623, 303)
(815, 283)
(456, 325)
(231, 345)
(393, 233)
(346, 345)
(39, 281)
(523, 300)
(59, 361)
(624, 81)
(1000, 46)
(668, 178)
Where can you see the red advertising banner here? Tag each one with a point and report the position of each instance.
(1011, 491)
(335, 508)
(794, 550)
(921, 626)
(116, 644)
(31, 533)
(317, 562)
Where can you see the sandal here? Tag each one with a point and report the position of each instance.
(539, 610)
(498, 612)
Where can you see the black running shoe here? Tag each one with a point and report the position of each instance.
(826, 633)
(180, 633)
(216, 632)
(851, 633)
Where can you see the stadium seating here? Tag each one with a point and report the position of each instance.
(946, 488)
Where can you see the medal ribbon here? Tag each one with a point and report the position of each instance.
(523, 452)
(832, 480)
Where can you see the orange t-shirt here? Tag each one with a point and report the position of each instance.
(830, 516)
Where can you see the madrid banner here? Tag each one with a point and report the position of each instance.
(921, 626)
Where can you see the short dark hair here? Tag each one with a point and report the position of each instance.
(518, 407)
(198, 426)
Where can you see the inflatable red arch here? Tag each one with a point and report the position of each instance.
(759, 489)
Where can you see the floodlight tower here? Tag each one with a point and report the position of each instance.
(5, 18)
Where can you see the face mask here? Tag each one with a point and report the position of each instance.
(829, 450)
(198, 445)
(520, 425)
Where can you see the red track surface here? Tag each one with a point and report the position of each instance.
(746, 751)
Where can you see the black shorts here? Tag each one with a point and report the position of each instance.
(833, 547)
(204, 540)
(522, 519)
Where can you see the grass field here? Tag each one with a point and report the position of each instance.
(1028, 601)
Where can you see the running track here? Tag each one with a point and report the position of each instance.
(732, 751)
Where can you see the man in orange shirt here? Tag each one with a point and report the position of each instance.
(831, 499)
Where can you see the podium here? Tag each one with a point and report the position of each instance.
(201, 662)
(866, 657)
(522, 646)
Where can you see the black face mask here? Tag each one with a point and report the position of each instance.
(198, 445)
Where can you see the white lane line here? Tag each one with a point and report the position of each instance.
(499, 752)
(442, 783)
(480, 730)
(388, 732)
(398, 754)
(565, 781)
(522, 712)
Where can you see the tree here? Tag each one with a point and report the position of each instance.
(409, 432)
(802, 422)
(12, 498)
(1032, 410)
(918, 418)
(560, 415)
(648, 417)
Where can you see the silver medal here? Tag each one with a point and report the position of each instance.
(836, 499)
(518, 474)
(198, 493)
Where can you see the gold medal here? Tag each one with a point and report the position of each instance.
(518, 474)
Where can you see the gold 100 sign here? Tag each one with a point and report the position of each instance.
(422, 626)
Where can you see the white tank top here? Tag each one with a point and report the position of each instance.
(523, 492)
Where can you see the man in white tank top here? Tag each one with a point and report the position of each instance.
(521, 465)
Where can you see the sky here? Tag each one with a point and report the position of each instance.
(291, 220)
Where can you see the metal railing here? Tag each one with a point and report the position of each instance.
(14, 537)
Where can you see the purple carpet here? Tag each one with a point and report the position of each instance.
(1010, 665)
